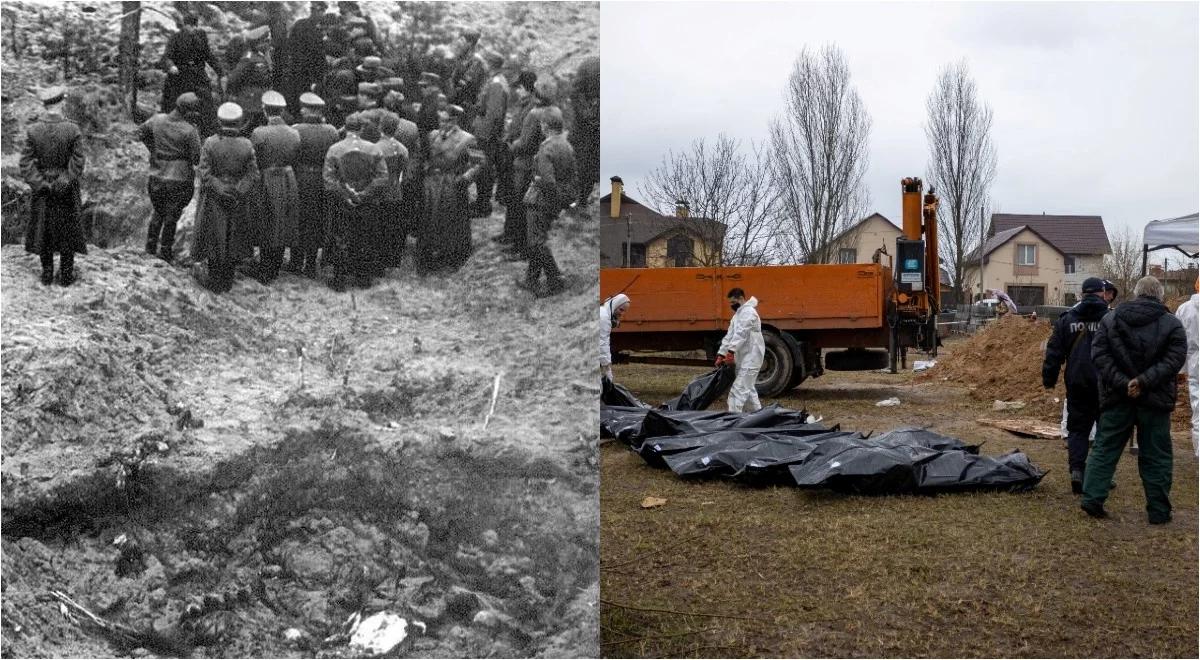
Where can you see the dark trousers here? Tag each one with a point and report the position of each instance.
(220, 274)
(515, 233)
(1083, 409)
(168, 199)
(272, 261)
(66, 262)
(541, 260)
(489, 174)
(1155, 458)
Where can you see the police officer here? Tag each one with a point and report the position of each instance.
(277, 148)
(355, 176)
(51, 163)
(316, 137)
(228, 175)
(184, 59)
(174, 144)
(1071, 343)
(554, 187)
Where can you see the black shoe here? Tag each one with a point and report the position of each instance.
(66, 277)
(167, 255)
(1094, 510)
(151, 247)
(1159, 520)
(1077, 481)
(554, 286)
(47, 277)
(525, 285)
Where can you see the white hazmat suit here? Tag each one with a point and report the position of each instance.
(745, 339)
(607, 310)
(1188, 314)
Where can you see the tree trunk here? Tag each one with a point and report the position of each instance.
(129, 51)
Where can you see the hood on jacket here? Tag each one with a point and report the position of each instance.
(1141, 311)
(1092, 307)
(752, 302)
(612, 304)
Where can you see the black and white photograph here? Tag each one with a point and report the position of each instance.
(298, 329)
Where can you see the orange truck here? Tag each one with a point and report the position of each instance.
(872, 312)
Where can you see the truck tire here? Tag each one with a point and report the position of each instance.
(798, 371)
(776, 368)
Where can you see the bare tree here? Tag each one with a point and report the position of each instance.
(129, 50)
(1124, 266)
(962, 163)
(721, 182)
(819, 154)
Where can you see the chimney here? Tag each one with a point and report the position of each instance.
(617, 192)
(681, 208)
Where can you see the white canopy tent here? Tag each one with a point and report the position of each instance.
(1182, 233)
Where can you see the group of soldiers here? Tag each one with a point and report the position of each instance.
(363, 168)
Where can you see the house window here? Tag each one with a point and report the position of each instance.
(679, 251)
(1070, 299)
(1069, 266)
(1026, 255)
(848, 256)
(633, 256)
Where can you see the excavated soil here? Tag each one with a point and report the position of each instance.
(1003, 362)
(281, 457)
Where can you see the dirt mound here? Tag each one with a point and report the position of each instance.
(1004, 361)
(285, 456)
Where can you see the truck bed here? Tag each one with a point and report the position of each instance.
(809, 297)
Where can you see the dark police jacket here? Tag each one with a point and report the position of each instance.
(1071, 342)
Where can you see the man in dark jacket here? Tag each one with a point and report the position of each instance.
(355, 177)
(523, 148)
(184, 59)
(174, 144)
(51, 163)
(306, 54)
(1071, 342)
(553, 188)
(1138, 349)
(487, 115)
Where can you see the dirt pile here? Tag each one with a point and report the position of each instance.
(1004, 361)
(282, 457)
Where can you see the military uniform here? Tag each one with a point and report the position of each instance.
(355, 176)
(444, 233)
(585, 136)
(524, 148)
(554, 186)
(247, 82)
(306, 58)
(488, 127)
(188, 50)
(51, 163)
(313, 216)
(174, 145)
(228, 174)
(277, 147)
(392, 230)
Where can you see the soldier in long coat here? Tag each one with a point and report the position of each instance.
(392, 231)
(276, 147)
(316, 137)
(524, 147)
(228, 175)
(355, 177)
(554, 187)
(487, 125)
(411, 181)
(585, 134)
(174, 144)
(184, 60)
(444, 234)
(306, 54)
(513, 236)
(52, 163)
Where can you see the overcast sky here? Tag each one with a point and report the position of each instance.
(1095, 103)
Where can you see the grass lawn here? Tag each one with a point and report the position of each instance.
(724, 570)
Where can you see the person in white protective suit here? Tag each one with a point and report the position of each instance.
(1189, 315)
(611, 311)
(743, 347)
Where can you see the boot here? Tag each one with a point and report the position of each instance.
(151, 246)
(48, 276)
(531, 277)
(167, 254)
(66, 269)
(1077, 482)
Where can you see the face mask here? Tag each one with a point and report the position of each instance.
(734, 306)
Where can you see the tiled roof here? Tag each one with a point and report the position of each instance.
(1071, 234)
